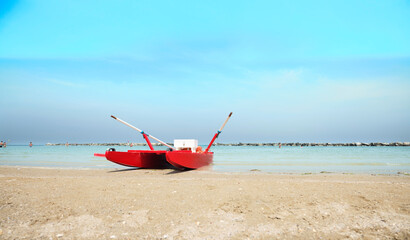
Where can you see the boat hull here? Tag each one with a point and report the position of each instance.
(158, 159)
(139, 158)
(188, 159)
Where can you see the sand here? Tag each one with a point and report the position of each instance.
(164, 204)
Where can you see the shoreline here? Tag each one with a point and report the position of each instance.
(207, 170)
(39, 203)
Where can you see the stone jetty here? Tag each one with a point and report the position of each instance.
(355, 144)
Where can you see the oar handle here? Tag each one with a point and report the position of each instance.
(139, 130)
(129, 125)
(223, 125)
(217, 133)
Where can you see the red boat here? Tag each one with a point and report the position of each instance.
(185, 155)
(189, 159)
(137, 158)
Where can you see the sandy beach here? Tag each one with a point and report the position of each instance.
(40, 203)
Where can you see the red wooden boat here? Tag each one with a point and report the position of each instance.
(137, 158)
(184, 156)
(189, 159)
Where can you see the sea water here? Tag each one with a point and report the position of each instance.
(377, 160)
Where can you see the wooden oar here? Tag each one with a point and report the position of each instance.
(142, 132)
(217, 133)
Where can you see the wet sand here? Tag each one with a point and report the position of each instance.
(164, 204)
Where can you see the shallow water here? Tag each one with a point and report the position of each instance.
(378, 160)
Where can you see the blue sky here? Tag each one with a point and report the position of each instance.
(307, 71)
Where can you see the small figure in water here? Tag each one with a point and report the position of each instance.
(280, 145)
(131, 145)
(31, 144)
(66, 144)
(1, 144)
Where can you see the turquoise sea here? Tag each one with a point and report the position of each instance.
(377, 160)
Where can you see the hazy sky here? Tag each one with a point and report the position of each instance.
(307, 71)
